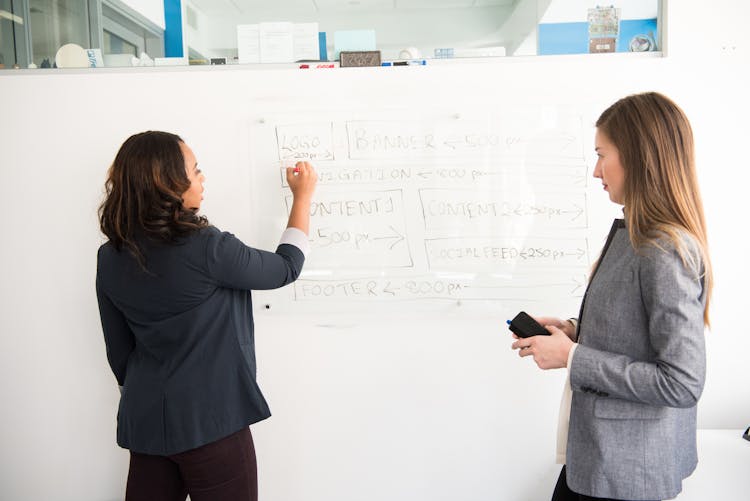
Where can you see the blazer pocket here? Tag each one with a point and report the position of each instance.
(615, 408)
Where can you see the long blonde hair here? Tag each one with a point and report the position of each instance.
(661, 194)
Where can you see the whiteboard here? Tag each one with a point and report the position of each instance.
(475, 206)
(404, 396)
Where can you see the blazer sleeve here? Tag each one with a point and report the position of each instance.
(234, 265)
(673, 299)
(118, 337)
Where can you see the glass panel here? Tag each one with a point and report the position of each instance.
(12, 35)
(55, 23)
(404, 29)
(127, 32)
(411, 29)
(116, 45)
(626, 26)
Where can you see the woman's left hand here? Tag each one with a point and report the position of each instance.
(549, 352)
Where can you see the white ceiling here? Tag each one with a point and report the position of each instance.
(223, 7)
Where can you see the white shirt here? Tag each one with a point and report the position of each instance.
(564, 417)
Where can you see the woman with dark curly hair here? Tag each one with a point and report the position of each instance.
(176, 310)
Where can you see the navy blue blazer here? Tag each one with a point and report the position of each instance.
(180, 337)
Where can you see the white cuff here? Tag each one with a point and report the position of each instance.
(574, 322)
(296, 237)
(570, 356)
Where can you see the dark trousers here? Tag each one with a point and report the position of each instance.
(224, 470)
(563, 492)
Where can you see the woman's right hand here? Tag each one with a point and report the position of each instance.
(567, 327)
(302, 179)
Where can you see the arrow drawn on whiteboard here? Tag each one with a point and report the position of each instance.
(398, 237)
(579, 284)
(579, 253)
(388, 290)
(537, 253)
(540, 210)
(546, 177)
(562, 141)
(567, 140)
(577, 212)
(451, 143)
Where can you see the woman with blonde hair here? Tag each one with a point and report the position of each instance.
(636, 353)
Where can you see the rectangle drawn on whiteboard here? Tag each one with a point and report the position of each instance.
(453, 173)
(361, 230)
(550, 286)
(310, 141)
(460, 138)
(504, 254)
(473, 209)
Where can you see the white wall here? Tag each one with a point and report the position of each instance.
(403, 406)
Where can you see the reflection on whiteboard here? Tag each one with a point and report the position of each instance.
(487, 206)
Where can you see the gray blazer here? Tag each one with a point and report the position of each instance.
(637, 372)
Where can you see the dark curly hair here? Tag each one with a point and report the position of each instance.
(144, 190)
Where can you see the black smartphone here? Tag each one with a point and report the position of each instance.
(523, 325)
